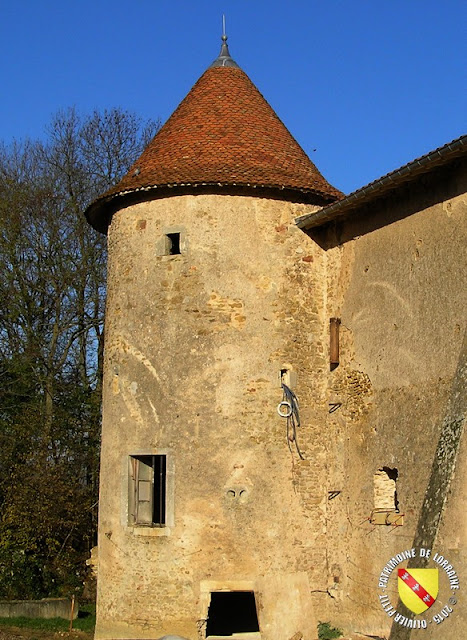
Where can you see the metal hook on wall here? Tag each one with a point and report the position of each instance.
(292, 415)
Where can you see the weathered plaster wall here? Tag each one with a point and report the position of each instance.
(401, 292)
(194, 346)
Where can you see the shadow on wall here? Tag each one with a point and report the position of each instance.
(391, 207)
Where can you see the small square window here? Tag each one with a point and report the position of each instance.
(173, 244)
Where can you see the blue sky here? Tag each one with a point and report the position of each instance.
(363, 86)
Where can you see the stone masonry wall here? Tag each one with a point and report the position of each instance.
(401, 293)
(195, 344)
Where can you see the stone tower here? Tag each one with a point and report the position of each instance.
(212, 505)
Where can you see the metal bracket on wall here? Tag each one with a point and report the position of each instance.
(388, 517)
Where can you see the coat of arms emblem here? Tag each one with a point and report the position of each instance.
(418, 588)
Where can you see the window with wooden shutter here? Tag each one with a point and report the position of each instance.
(147, 490)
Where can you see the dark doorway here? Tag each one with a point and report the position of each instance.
(232, 612)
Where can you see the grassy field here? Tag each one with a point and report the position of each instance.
(53, 628)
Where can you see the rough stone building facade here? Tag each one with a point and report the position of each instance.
(239, 278)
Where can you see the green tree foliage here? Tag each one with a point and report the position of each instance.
(52, 288)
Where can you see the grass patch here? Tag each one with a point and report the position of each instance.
(326, 632)
(86, 621)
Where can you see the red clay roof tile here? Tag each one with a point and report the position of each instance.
(223, 133)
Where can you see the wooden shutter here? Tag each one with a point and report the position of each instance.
(145, 491)
(147, 488)
(132, 489)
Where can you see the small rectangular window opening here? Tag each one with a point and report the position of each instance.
(173, 244)
(148, 490)
(334, 324)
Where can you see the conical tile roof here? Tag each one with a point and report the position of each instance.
(225, 135)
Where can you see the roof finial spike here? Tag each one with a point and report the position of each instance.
(224, 59)
(224, 37)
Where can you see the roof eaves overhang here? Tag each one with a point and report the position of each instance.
(100, 212)
(384, 185)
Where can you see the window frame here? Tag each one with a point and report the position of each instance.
(170, 238)
(139, 474)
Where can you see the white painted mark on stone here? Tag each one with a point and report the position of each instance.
(389, 287)
(156, 417)
(138, 355)
(132, 406)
